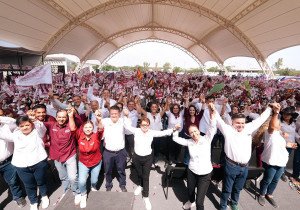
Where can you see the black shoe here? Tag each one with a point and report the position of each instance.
(123, 189)
(108, 189)
(261, 200)
(21, 202)
(284, 178)
(272, 201)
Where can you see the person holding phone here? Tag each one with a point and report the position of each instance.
(274, 157)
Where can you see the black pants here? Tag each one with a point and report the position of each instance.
(142, 164)
(129, 144)
(115, 158)
(202, 183)
(173, 149)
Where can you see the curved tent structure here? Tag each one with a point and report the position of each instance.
(211, 30)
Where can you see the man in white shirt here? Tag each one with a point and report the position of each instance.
(7, 170)
(105, 102)
(238, 144)
(114, 143)
(129, 137)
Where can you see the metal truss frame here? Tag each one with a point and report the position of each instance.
(154, 28)
(105, 60)
(184, 4)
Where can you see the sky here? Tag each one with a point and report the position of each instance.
(154, 52)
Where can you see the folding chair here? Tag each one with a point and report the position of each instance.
(178, 171)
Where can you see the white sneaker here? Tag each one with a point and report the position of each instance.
(94, 189)
(77, 199)
(83, 201)
(147, 203)
(138, 190)
(33, 206)
(45, 202)
(188, 205)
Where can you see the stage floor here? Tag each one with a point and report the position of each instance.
(285, 197)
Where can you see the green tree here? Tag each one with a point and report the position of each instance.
(213, 69)
(167, 66)
(95, 67)
(109, 68)
(177, 69)
(278, 64)
(146, 66)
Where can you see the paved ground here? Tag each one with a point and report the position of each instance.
(286, 198)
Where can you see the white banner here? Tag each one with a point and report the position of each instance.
(38, 75)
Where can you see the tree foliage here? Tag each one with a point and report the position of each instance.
(278, 64)
(167, 66)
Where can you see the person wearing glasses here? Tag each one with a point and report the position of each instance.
(142, 156)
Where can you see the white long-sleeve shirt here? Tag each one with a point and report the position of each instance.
(172, 120)
(80, 109)
(155, 121)
(275, 152)
(28, 149)
(114, 136)
(290, 129)
(92, 97)
(200, 161)
(134, 117)
(6, 148)
(238, 144)
(204, 122)
(142, 141)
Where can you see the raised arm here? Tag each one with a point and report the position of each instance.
(91, 96)
(127, 122)
(5, 133)
(138, 106)
(255, 124)
(71, 113)
(212, 128)
(40, 127)
(179, 140)
(167, 132)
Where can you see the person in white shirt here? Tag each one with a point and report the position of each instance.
(28, 142)
(175, 116)
(114, 143)
(134, 116)
(7, 170)
(238, 145)
(142, 157)
(274, 157)
(288, 126)
(200, 166)
(105, 102)
(155, 124)
(76, 103)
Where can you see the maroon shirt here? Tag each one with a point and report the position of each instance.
(89, 150)
(62, 141)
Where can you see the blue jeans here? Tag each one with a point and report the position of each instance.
(67, 172)
(234, 179)
(84, 174)
(296, 163)
(33, 177)
(271, 177)
(9, 173)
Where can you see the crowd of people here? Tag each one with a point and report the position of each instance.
(82, 119)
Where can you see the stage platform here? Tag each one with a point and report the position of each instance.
(287, 198)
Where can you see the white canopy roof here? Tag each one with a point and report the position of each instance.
(211, 30)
